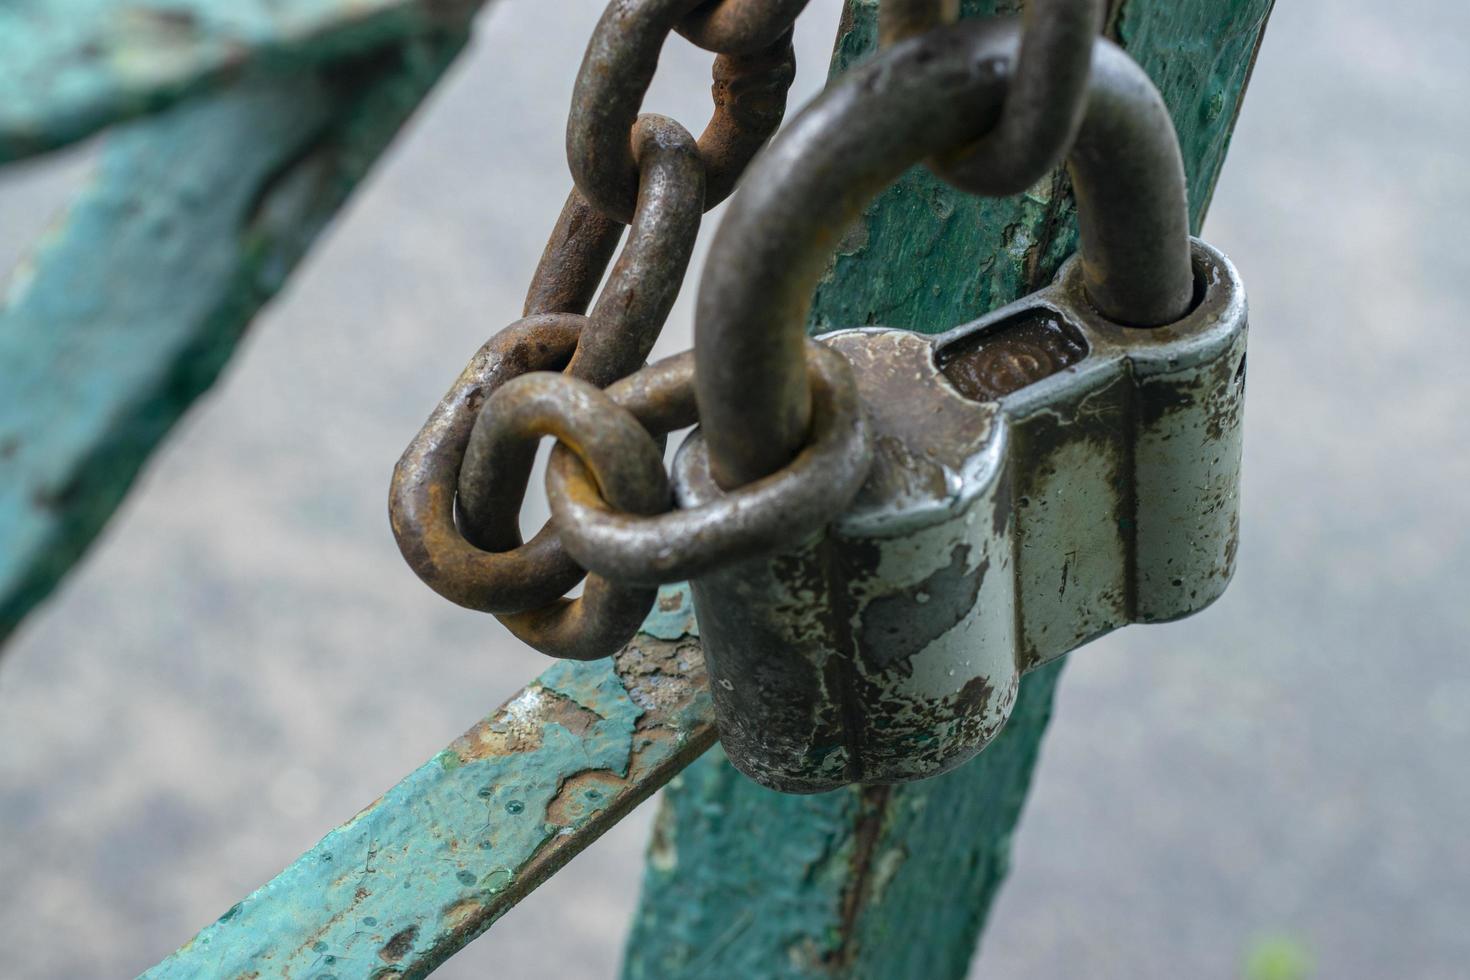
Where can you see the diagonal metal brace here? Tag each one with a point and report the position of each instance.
(412, 879)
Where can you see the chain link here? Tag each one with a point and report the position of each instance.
(1044, 103)
(757, 518)
(629, 472)
(739, 26)
(482, 573)
(749, 96)
(458, 488)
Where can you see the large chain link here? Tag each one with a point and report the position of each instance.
(455, 500)
(458, 489)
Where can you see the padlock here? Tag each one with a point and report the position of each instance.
(1057, 469)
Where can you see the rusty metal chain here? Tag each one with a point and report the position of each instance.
(563, 372)
(749, 96)
(455, 515)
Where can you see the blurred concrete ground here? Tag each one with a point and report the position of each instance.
(244, 661)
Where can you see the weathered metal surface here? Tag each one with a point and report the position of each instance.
(191, 223)
(1122, 471)
(897, 882)
(71, 67)
(431, 864)
(739, 26)
(995, 532)
(870, 653)
(628, 466)
(457, 488)
(622, 328)
(615, 545)
(887, 649)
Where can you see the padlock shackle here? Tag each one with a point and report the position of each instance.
(923, 96)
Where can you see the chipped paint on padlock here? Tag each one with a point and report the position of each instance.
(1127, 463)
(881, 651)
(1089, 481)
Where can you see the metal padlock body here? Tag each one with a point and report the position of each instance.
(1042, 476)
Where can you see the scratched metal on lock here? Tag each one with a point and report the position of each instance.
(1041, 476)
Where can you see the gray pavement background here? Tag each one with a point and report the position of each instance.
(243, 661)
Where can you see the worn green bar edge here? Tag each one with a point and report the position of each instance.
(70, 67)
(129, 310)
(430, 865)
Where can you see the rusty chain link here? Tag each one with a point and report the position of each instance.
(455, 499)
(749, 96)
(739, 26)
(458, 488)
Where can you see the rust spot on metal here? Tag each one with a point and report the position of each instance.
(872, 808)
(461, 913)
(518, 725)
(583, 794)
(397, 947)
(659, 675)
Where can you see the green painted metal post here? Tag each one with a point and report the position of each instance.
(896, 882)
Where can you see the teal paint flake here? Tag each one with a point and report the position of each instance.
(673, 615)
(70, 67)
(132, 306)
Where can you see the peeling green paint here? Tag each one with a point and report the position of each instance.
(132, 306)
(421, 872)
(673, 614)
(894, 882)
(70, 67)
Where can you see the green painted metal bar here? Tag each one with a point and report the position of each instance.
(885, 882)
(192, 222)
(70, 67)
(430, 865)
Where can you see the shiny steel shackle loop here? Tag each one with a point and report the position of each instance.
(924, 96)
